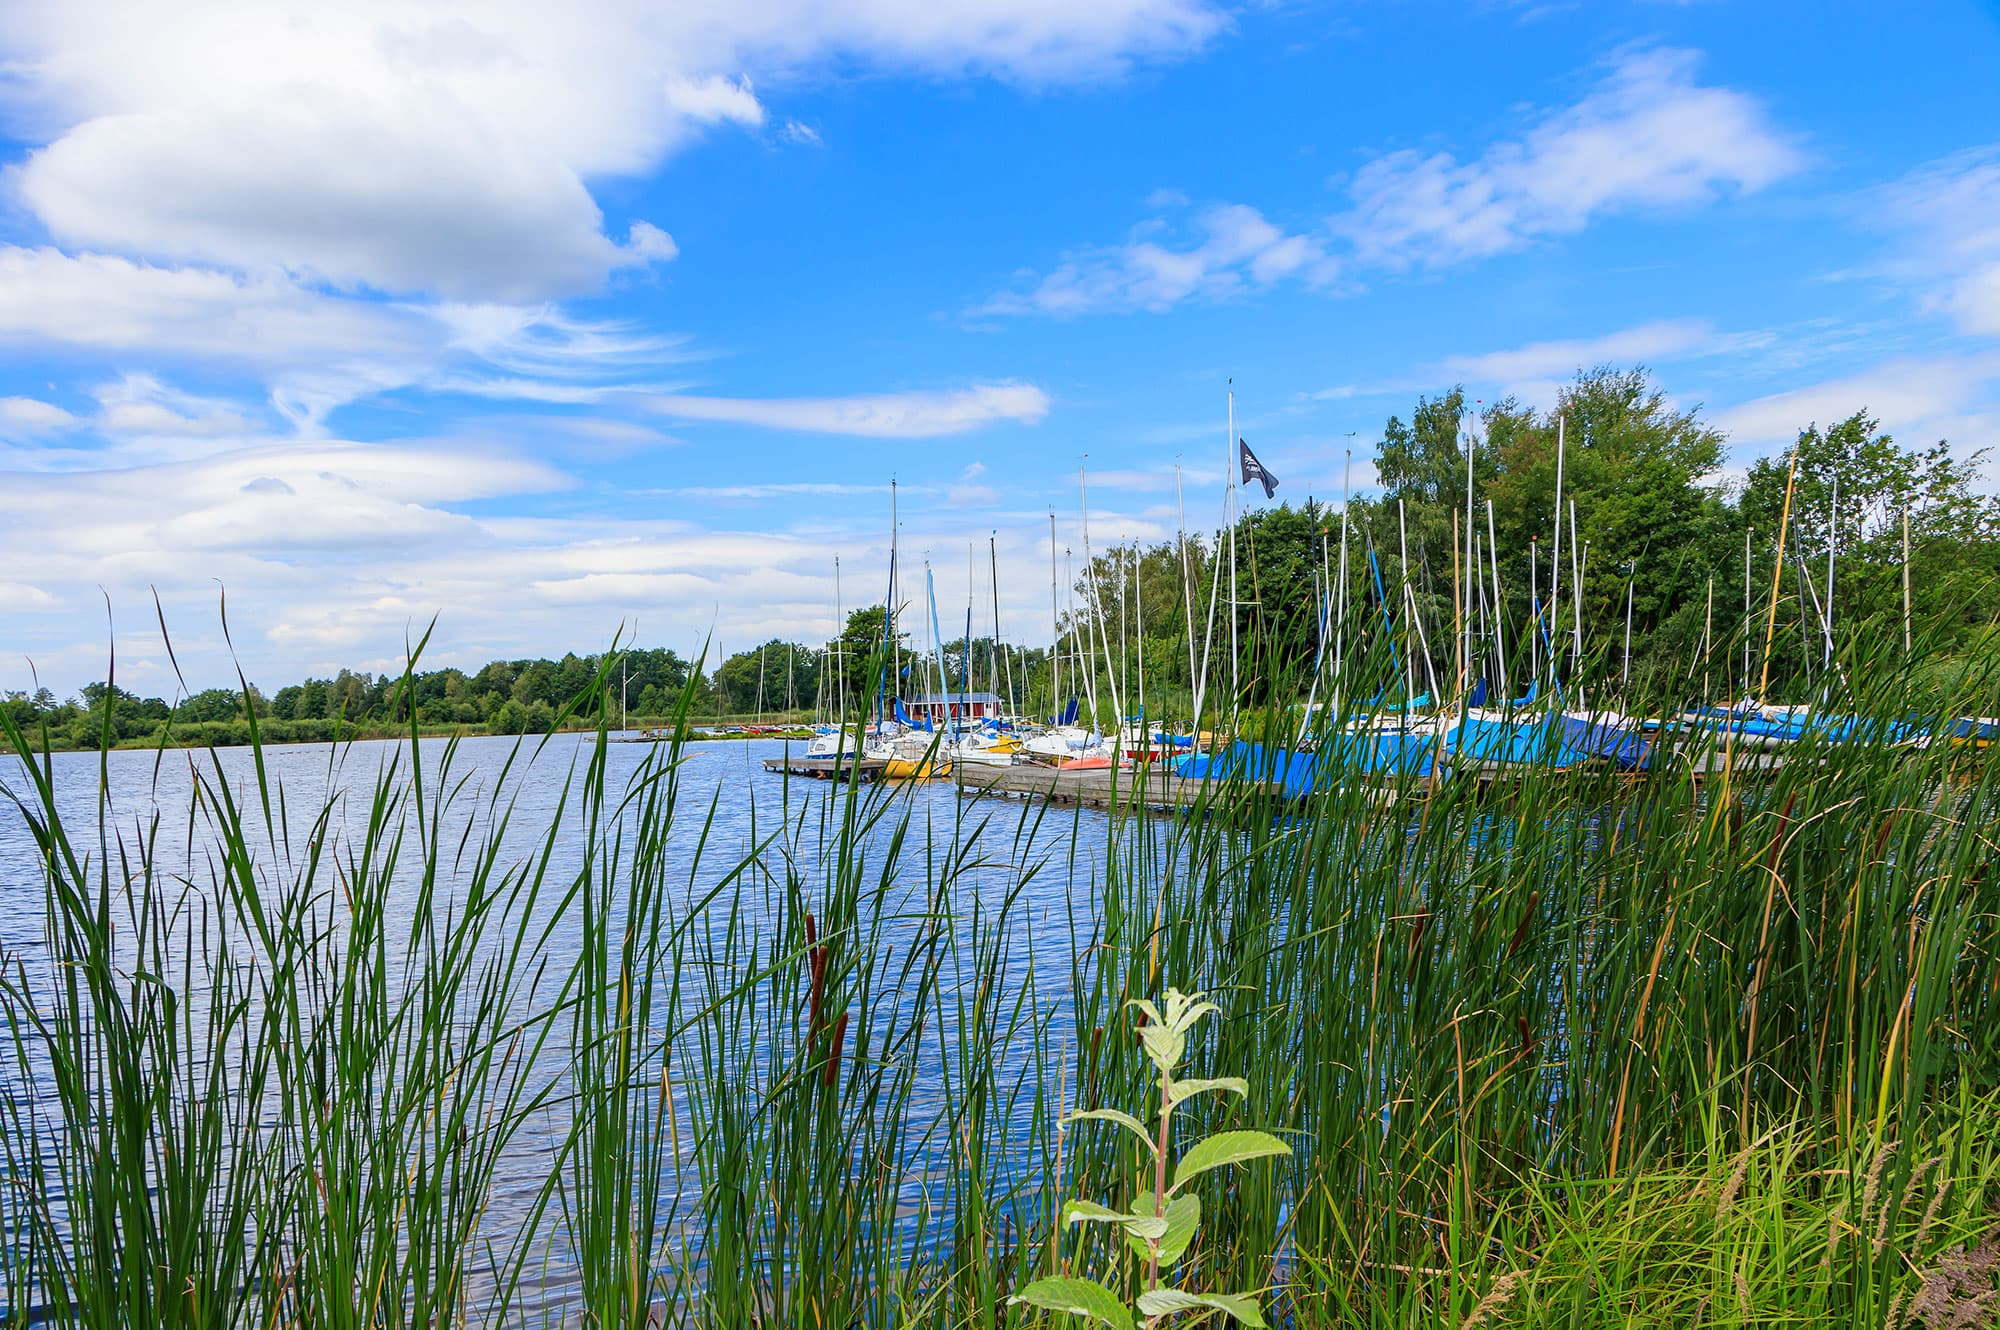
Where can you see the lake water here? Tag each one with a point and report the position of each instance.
(726, 795)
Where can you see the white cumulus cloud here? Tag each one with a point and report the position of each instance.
(450, 148)
(1649, 137)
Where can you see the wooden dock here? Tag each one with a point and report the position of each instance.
(1154, 789)
(847, 767)
(1100, 788)
(1103, 787)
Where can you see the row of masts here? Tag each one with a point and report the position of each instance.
(1081, 648)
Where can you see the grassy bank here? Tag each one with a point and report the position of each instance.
(1588, 1048)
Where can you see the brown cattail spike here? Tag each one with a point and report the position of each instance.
(1521, 930)
(833, 1054)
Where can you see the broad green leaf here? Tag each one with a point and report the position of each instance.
(1223, 1148)
(1183, 1218)
(1145, 1225)
(1077, 1297)
(1169, 1301)
(1125, 1120)
(1164, 1045)
(1188, 1089)
(1182, 1016)
(1152, 1012)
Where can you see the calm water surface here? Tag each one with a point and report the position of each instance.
(726, 795)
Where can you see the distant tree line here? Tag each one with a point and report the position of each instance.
(1651, 520)
(503, 697)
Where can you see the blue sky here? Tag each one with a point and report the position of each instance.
(545, 323)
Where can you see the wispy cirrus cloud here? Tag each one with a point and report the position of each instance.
(1950, 212)
(784, 489)
(1531, 371)
(1659, 340)
(1922, 398)
(904, 415)
(1650, 136)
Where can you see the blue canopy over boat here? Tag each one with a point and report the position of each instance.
(1615, 739)
(1298, 774)
(1534, 741)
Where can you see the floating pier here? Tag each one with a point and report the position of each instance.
(1157, 790)
(1098, 788)
(847, 767)
(1102, 787)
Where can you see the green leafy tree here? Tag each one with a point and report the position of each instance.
(1954, 553)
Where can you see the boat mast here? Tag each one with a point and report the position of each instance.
(1229, 515)
(1631, 575)
(892, 652)
(1906, 582)
(1707, 642)
(839, 651)
(1748, 623)
(1556, 562)
(1534, 608)
(1139, 624)
(1478, 586)
(965, 665)
(1471, 560)
(1187, 579)
(1461, 626)
(1208, 632)
(937, 647)
(1832, 538)
(1579, 556)
(1409, 607)
(1778, 572)
(1097, 608)
(1006, 661)
(1055, 628)
(1340, 613)
(1499, 614)
(1082, 665)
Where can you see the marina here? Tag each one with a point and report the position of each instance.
(1132, 665)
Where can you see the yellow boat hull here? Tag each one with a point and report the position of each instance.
(910, 768)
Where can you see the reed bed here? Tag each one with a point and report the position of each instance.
(1569, 1048)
